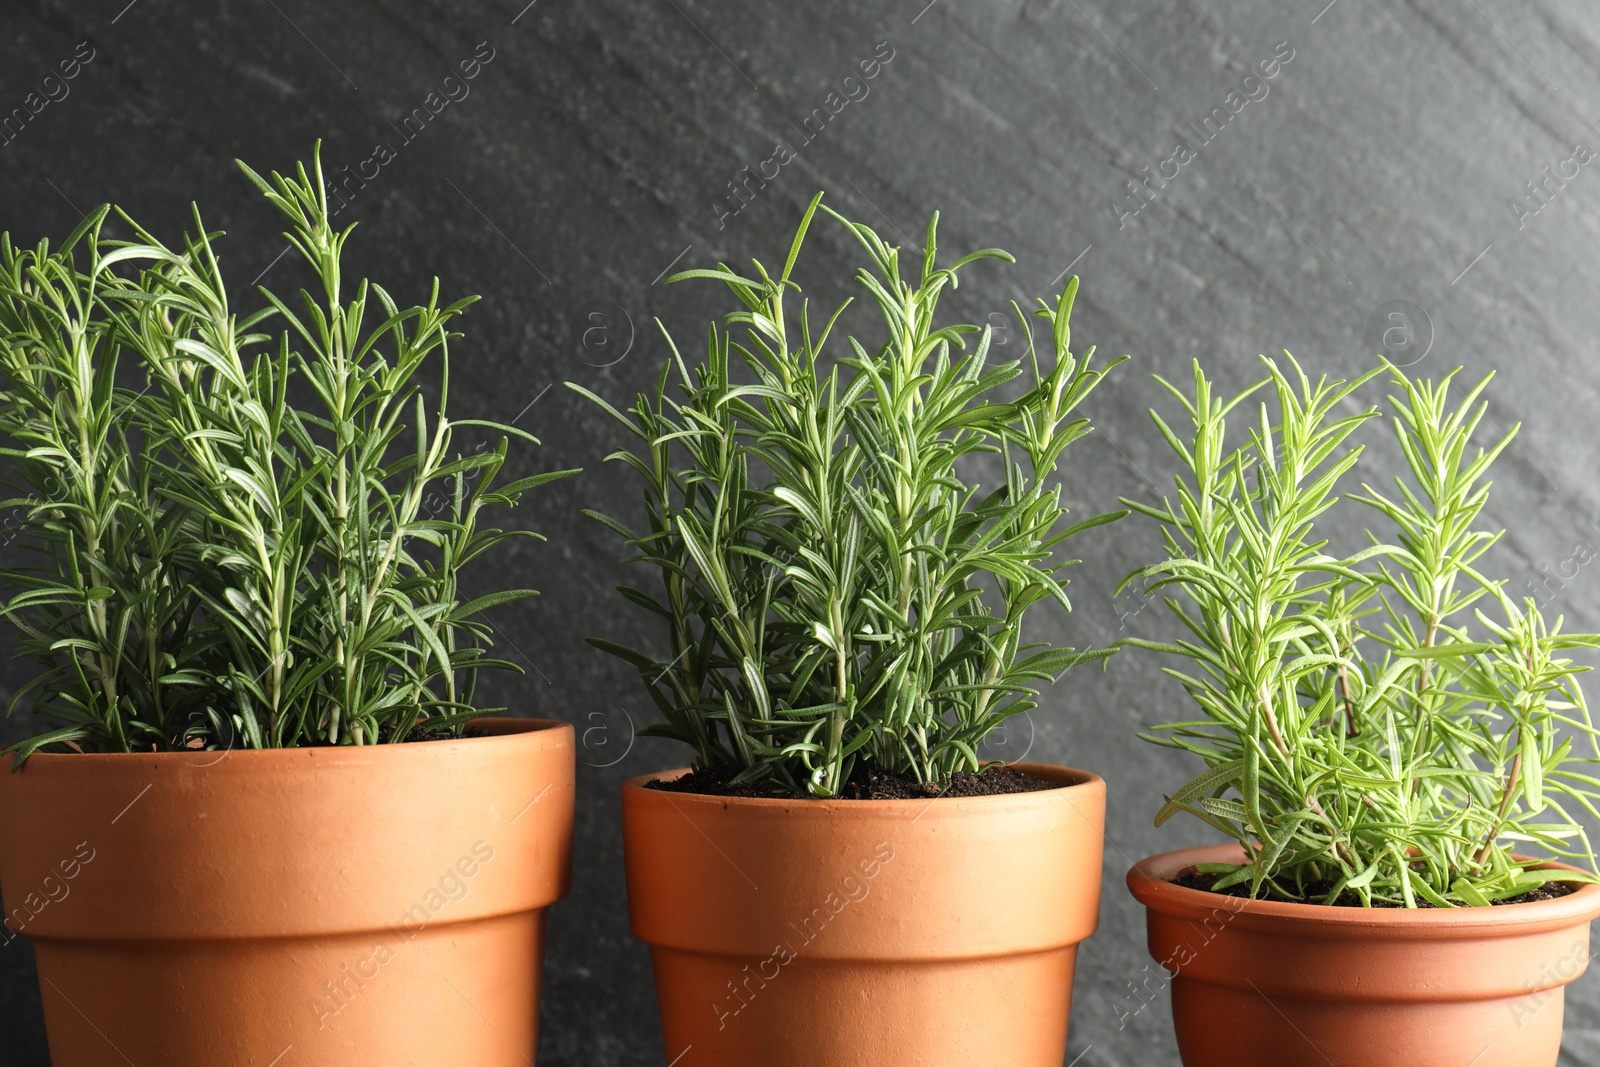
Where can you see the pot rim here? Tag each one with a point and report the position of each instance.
(499, 727)
(1076, 780)
(1149, 881)
(292, 843)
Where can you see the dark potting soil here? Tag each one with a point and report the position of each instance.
(424, 732)
(1193, 879)
(865, 784)
(420, 732)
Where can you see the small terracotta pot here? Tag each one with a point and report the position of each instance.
(312, 907)
(1260, 983)
(890, 933)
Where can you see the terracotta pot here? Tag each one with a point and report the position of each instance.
(313, 907)
(883, 933)
(1268, 983)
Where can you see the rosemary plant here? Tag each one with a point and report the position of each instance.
(214, 565)
(835, 590)
(1387, 725)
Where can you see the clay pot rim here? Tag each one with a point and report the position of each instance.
(501, 729)
(1074, 781)
(1149, 881)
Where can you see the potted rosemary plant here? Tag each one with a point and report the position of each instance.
(841, 878)
(1398, 748)
(270, 816)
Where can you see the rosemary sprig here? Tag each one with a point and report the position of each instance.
(835, 588)
(1388, 723)
(218, 565)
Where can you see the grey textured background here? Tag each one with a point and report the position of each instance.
(597, 145)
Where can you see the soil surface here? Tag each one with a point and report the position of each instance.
(865, 784)
(420, 732)
(424, 732)
(1193, 879)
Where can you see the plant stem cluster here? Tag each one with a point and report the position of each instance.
(1388, 724)
(834, 589)
(214, 564)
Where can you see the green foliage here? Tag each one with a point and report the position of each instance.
(213, 564)
(834, 589)
(1387, 723)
